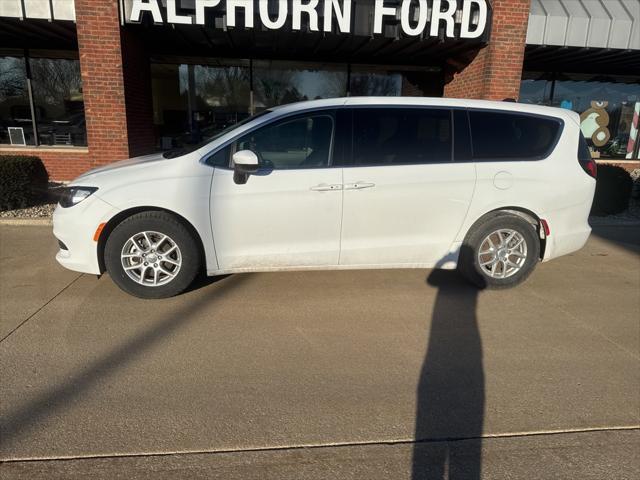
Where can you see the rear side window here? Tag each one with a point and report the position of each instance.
(512, 136)
(400, 136)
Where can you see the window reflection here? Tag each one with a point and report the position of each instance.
(278, 83)
(606, 106)
(192, 102)
(57, 95)
(57, 102)
(366, 82)
(15, 112)
(535, 88)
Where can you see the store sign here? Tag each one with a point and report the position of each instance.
(417, 17)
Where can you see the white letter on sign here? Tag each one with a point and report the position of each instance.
(173, 17)
(343, 16)
(310, 9)
(247, 5)
(138, 7)
(422, 17)
(447, 16)
(200, 6)
(465, 32)
(380, 11)
(282, 14)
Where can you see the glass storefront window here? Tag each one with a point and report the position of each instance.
(57, 95)
(366, 82)
(192, 102)
(15, 112)
(277, 83)
(221, 98)
(57, 102)
(606, 106)
(535, 88)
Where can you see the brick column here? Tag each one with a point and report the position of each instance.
(137, 89)
(111, 111)
(496, 70)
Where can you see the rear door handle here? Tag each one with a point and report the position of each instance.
(358, 185)
(325, 187)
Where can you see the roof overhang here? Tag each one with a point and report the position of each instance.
(609, 24)
(179, 40)
(38, 9)
(390, 33)
(602, 61)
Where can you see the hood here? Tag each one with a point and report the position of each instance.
(131, 162)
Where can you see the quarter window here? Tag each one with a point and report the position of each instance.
(512, 136)
(299, 143)
(394, 136)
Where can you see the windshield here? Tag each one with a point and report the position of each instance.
(184, 149)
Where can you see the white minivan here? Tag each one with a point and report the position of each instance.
(491, 188)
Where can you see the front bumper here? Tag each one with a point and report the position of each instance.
(75, 227)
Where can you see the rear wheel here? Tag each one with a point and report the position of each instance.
(500, 252)
(152, 255)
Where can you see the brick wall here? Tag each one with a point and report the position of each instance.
(116, 86)
(61, 163)
(495, 71)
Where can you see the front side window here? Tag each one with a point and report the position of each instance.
(400, 136)
(303, 142)
(512, 136)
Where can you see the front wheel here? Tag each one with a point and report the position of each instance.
(152, 255)
(500, 252)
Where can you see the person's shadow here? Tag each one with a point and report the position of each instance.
(450, 396)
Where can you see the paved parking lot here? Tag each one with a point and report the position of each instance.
(322, 374)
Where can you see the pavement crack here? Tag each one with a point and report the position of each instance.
(40, 308)
(279, 448)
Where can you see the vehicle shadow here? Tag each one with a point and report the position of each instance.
(624, 236)
(450, 394)
(202, 281)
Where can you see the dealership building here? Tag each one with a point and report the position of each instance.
(88, 82)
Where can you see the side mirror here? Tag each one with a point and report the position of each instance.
(245, 163)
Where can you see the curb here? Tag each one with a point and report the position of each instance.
(40, 222)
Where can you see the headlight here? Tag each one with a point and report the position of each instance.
(71, 196)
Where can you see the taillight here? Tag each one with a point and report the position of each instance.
(545, 227)
(590, 167)
(587, 163)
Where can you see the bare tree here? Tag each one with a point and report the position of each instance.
(12, 78)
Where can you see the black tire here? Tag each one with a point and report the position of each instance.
(469, 264)
(163, 223)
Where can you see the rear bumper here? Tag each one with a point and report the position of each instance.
(559, 243)
(570, 230)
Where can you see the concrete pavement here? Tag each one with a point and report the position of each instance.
(584, 456)
(314, 359)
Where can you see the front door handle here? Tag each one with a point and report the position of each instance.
(358, 185)
(325, 187)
